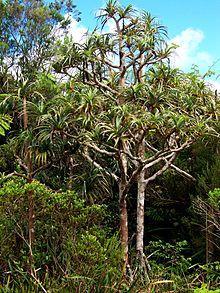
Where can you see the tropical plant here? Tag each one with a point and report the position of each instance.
(138, 111)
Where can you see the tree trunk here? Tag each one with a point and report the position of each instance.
(31, 216)
(31, 230)
(140, 215)
(123, 227)
(142, 263)
(140, 208)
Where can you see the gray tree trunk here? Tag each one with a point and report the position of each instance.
(140, 214)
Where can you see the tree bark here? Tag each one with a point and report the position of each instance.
(140, 206)
(140, 215)
(123, 227)
(142, 263)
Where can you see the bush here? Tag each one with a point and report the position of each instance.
(71, 245)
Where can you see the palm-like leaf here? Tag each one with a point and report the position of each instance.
(5, 121)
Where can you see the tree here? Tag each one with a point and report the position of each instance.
(28, 32)
(27, 150)
(132, 107)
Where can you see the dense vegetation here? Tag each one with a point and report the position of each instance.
(109, 157)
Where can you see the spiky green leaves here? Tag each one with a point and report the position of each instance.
(5, 121)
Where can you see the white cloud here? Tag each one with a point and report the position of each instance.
(188, 52)
(75, 29)
(215, 85)
(79, 32)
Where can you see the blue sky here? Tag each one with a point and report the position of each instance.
(194, 25)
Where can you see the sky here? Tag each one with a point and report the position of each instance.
(192, 24)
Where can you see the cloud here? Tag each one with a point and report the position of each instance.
(79, 32)
(188, 52)
(214, 85)
(75, 30)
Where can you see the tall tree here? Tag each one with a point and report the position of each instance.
(28, 33)
(133, 108)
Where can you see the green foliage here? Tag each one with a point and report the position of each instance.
(27, 30)
(118, 92)
(172, 262)
(170, 256)
(204, 289)
(69, 238)
(214, 198)
(211, 272)
(5, 121)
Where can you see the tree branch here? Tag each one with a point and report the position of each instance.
(22, 164)
(107, 62)
(182, 172)
(15, 174)
(177, 169)
(96, 148)
(156, 161)
(93, 162)
(162, 170)
(40, 168)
